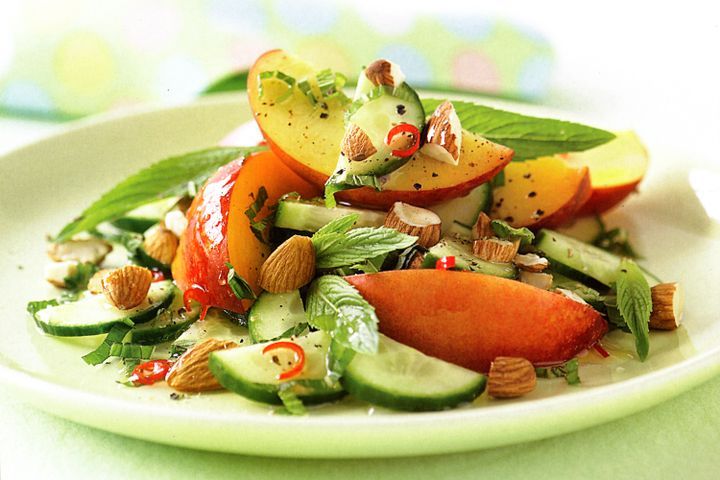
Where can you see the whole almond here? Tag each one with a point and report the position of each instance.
(289, 267)
(161, 244)
(356, 144)
(511, 377)
(191, 372)
(127, 287)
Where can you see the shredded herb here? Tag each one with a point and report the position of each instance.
(131, 350)
(503, 230)
(259, 227)
(283, 77)
(293, 405)
(116, 335)
(238, 285)
(568, 370)
(615, 240)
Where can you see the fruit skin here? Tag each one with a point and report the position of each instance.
(603, 199)
(469, 319)
(219, 232)
(560, 189)
(414, 183)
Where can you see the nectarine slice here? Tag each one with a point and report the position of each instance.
(469, 319)
(541, 193)
(307, 138)
(219, 231)
(616, 169)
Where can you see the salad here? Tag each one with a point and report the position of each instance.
(409, 252)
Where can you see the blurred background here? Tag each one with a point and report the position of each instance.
(622, 63)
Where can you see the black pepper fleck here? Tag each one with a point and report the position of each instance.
(400, 109)
(532, 194)
(417, 186)
(324, 115)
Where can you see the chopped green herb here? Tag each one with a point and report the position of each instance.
(238, 285)
(293, 405)
(615, 240)
(286, 79)
(116, 335)
(79, 279)
(503, 230)
(259, 227)
(569, 370)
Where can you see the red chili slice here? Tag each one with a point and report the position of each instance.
(150, 372)
(445, 263)
(297, 368)
(404, 128)
(603, 353)
(198, 294)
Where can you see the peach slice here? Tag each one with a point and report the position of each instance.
(469, 319)
(541, 193)
(307, 138)
(616, 169)
(219, 231)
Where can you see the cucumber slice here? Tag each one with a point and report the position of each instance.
(465, 260)
(274, 314)
(169, 324)
(402, 378)
(460, 231)
(576, 259)
(92, 314)
(145, 216)
(464, 210)
(588, 294)
(215, 325)
(252, 374)
(310, 215)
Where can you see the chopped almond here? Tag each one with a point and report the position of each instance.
(411, 220)
(667, 300)
(483, 227)
(496, 250)
(536, 279)
(531, 262)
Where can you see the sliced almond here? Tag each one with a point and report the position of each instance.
(57, 272)
(356, 144)
(443, 135)
(127, 287)
(416, 221)
(536, 279)
(496, 250)
(191, 372)
(571, 295)
(483, 227)
(93, 250)
(511, 377)
(667, 303)
(95, 284)
(531, 262)
(290, 266)
(161, 244)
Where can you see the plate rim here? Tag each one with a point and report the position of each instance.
(653, 387)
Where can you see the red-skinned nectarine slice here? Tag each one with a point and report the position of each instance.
(541, 193)
(307, 138)
(218, 230)
(616, 169)
(469, 319)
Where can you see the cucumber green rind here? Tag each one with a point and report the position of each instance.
(152, 335)
(103, 327)
(382, 379)
(264, 392)
(465, 260)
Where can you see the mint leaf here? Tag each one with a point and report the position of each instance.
(335, 306)
(163, 179)
(78, 281)
(503, 230)
(634, 302)
(240, 288)
(233, 82)
(530, 137)
(568, 370)
(339, 225)
(259, 227)
(358, 245)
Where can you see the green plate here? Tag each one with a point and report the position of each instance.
(44, 185)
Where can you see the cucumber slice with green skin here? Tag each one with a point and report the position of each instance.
(169, 324)
(274, 314)
(215, 325)
(92, 314)
(459, 231)
(465, 260)
(576, 259)
(464, 210)
(145, 216)
(402, 378)
(310, 215)
(588, 294)
(250, 373)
